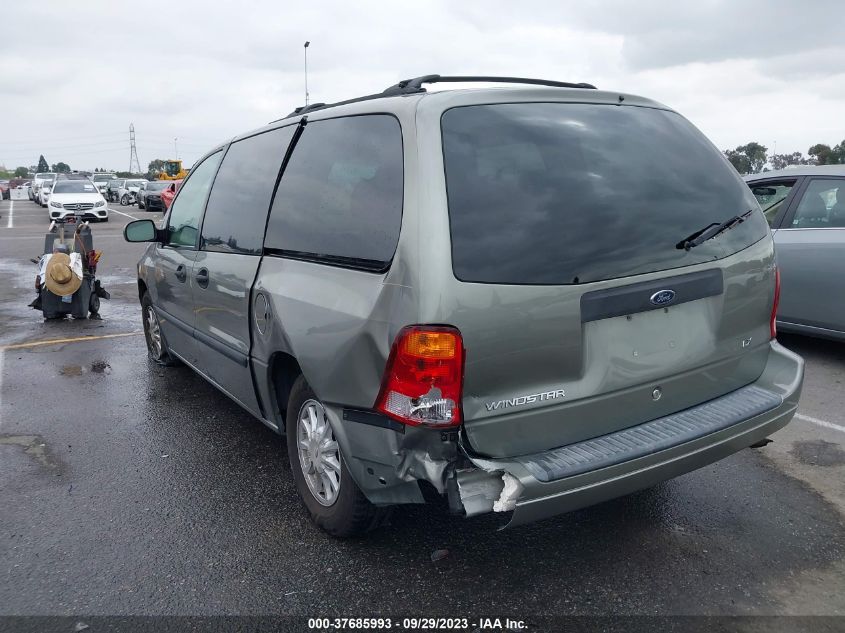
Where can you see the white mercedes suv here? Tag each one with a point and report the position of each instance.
(77, 197)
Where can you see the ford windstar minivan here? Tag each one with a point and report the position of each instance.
(528, 299)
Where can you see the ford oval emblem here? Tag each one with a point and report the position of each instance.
(662, 297)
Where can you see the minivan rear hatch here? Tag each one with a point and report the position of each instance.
(581, 311)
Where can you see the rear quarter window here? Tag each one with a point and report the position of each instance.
(555, 193)
(340, 197)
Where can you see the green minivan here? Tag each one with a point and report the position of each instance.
(527, 299)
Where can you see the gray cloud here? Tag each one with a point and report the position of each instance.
(202, 72)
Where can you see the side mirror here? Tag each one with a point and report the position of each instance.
(140, 231)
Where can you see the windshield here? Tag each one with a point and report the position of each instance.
(553, 193)
(102, 177)
(158, 186)
(44, 175)
(74, 186)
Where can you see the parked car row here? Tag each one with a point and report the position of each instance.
(123, 190)
(101, 181)
(41, 185)
(68, 194)
(150, 194)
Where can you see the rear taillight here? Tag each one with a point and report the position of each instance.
(773, 322)
(424, 377)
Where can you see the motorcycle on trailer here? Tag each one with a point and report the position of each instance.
(66, 282)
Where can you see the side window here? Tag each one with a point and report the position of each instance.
(186, 210)
(771, 197)
(340, 198)
(240, 198)
(822, 206)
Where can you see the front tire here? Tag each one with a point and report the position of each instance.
(156, 343)
(124, 200)
(323, 482)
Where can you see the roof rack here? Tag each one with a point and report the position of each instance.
(411, 86)
(414, 86)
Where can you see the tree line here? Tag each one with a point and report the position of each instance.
(753, 157)
(153, 169)
(750, 158)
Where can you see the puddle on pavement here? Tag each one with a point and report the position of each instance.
(100, 367)
(33, 446)
(97, 367)
(818, 453)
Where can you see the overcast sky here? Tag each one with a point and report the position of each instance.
(74, 75)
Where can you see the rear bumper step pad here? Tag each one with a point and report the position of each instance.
(651, 437)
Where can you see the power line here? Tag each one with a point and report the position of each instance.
(71, 138)
(48, 146)
(59, 148)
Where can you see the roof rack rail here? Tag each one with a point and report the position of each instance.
(307, 108)
(410, 86)
(414, 86)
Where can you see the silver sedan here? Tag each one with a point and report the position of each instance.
(805, 207)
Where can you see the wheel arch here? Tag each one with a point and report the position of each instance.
(283, 371)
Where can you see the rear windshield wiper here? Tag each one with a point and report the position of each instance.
(712, 230)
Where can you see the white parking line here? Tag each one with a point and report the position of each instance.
(824, 423)
(1, 383)
(10, 224)
(122, 213)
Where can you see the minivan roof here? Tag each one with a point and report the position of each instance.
(444, 99)
(800, 170)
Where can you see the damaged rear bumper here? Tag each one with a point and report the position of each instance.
(388, 460)
(590, 472)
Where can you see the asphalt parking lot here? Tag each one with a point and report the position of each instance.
(126, 488)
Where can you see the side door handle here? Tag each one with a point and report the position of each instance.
(181, 275)
(202, 277)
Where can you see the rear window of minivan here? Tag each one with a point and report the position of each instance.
(557, 193)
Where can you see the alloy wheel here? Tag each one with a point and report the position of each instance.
(153, 332)
(319, 454)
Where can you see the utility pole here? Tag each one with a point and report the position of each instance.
(305, 49)
(134, 163)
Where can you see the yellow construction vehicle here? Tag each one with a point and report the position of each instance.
(173, 171)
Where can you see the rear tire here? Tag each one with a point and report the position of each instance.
(156, 343)
(346, 512)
